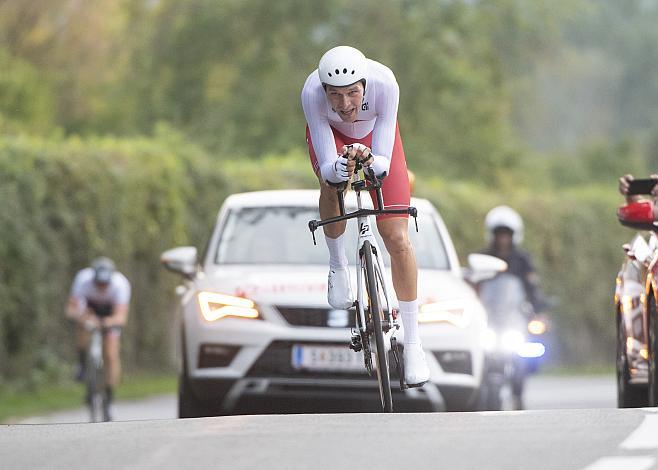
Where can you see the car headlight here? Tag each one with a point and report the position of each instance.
(512, 340)
(216, 306)
(444, 312)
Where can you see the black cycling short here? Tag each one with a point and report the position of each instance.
(100, 309)
(104, 310)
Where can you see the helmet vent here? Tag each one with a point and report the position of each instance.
(330, 74)
(344, 70)
(337, 72)
(352, 72)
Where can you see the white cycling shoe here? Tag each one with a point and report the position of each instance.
(416, 372)
(339, 290)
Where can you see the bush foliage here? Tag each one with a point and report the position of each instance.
(67, 200)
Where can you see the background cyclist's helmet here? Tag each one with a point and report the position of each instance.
(103, 270)
(503, 217)
(343, 66)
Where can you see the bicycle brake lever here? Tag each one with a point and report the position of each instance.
(413, 212)
(313, 226)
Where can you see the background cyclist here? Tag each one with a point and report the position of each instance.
(352, 100)
(100, 295)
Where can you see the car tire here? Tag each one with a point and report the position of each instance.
(628, 395)
(653, 351)
(189, 406)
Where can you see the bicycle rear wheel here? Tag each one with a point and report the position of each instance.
(377, 315)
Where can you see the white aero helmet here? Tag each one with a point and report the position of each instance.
(504, 216)
(342, 66)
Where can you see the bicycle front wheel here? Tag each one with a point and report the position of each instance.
(377, 315)
(95, 393)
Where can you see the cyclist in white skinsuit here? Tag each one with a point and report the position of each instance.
(100, 295)
(351, 104)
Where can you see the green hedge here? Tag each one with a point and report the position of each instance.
(575, 240)
(67, 200)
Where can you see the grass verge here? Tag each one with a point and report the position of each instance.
(16, 404)
(574, 370)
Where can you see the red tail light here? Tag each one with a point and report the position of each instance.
(638, 212)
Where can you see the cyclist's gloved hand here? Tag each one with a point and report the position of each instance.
(339, 170)
(378, 163)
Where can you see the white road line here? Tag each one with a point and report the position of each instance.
(645, 436)
(622, 463)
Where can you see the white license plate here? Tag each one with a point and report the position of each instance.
(326, 358)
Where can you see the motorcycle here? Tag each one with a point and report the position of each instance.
(514, 342)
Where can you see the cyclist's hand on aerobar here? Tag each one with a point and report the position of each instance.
(90, 320)
(358, 152)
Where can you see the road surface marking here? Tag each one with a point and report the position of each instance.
(645, 436)
(622, 463)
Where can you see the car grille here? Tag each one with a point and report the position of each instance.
(276, 361)
(318, 317)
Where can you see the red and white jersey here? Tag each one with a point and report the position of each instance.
(378, 115)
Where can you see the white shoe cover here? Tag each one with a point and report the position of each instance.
(416, 371)
(339, 290)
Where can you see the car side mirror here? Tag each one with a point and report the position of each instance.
(482, 267)
(637, 215)
(181, 260)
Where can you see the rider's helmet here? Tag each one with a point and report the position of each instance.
(503, 217)
(104, 269)
(343, 66)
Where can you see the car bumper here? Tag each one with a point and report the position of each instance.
(258, 367)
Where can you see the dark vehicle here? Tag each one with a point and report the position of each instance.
(635, 311)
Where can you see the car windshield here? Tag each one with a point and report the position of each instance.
(280, 235)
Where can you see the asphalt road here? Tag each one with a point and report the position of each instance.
(555, 434)
(542, 393)
(603, 439)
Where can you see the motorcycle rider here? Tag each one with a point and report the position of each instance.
(504, 233)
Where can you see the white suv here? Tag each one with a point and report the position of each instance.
(258, 334)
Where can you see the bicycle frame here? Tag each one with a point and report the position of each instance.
(366, 234)
(368, 336)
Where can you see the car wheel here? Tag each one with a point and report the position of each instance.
(189, 406)
(653, 352)
(628, 395)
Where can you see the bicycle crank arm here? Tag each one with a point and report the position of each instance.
(399, 362)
